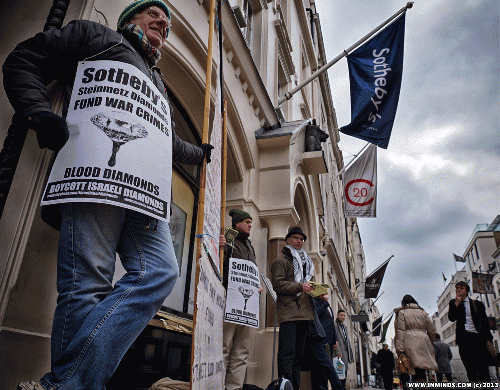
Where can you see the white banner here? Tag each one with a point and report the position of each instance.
(360, 185)
(213, 192)
(208, 367)
(243, 298)
(120, 146)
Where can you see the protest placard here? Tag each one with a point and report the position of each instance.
(120, 146)
(208, 367)
(242, 303)
(211, 222)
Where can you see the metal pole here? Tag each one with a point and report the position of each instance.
(381, 322)
(288, 95)
(380, 266)
(16, 134)
(376, 299)
(352, 160)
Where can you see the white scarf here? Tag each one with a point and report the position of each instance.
(301, 260)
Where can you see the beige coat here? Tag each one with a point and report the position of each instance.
(415, 334)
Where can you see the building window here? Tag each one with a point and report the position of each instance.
(247, 31)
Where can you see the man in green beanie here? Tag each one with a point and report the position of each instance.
(96, 321)
(236, 338)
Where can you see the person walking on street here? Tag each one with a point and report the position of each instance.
(415, 334)
(343, 350)
(290, 274)
(472, 332)
(96, 321)
(443, 358)
(385, 358)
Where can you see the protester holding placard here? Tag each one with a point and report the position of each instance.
(236, 336)
(95, 322)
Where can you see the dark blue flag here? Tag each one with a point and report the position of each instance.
(375, 71)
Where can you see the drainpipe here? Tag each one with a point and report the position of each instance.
(16, 134)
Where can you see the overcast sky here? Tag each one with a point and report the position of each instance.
(439, 177)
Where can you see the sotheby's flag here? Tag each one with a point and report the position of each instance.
(360, 185)
(375, 71)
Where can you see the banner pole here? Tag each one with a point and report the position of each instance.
(381, 322)
(288, 95)
(373, 303)
(224, 180)
(351, 162)
(201, 202)
(371, 273)
(224, 137)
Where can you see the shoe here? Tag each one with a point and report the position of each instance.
(30, 385)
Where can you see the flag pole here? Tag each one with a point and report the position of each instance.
(376, 299)
(371, 273)
(224, 180)
(224, 137)
(288, 95)
(381, 322)
(352, 160)
(201, 202)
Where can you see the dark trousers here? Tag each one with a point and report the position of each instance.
(419, 375)
(387, 377)
(472, 349)
(291, 343)
(439, 377)
(322, 369)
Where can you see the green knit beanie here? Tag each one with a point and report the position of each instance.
(238, 216)
(137, 7)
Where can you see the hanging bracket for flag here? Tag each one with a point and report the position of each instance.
(288, 95)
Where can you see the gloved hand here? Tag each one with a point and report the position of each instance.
(51, 130)
(207, 151)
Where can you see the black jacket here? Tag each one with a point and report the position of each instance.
(386, 360)
(54, 55)
(326, 319)
(479, 318)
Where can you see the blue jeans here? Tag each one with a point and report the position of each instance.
(95, 322)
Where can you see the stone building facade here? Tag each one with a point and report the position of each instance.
(269, 46)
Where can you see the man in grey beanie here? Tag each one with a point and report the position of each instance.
(96, 321)
(236, 337)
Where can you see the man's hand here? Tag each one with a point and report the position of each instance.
(207, 151)
(222, 241)
(306, 287)
(51, 130)
(459, 298)
(339, 355)
(260, 289)
(336, 345)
